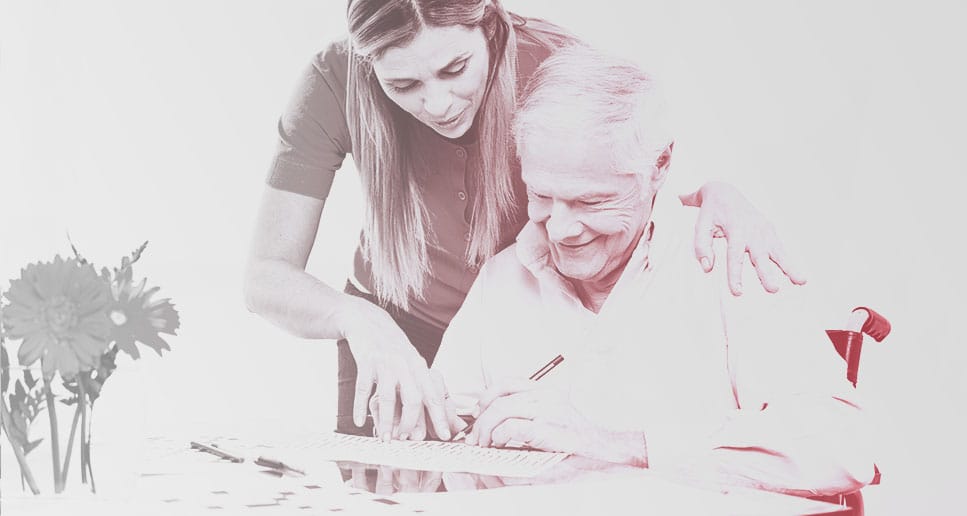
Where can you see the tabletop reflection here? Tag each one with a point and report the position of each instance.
(387, 480)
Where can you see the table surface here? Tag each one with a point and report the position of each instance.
(170, 477)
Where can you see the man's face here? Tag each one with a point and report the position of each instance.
(592, 214)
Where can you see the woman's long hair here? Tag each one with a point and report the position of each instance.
(396, 231)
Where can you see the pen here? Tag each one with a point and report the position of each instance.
(261, 461)
(214, 450)
(536, 376)
(277, 465)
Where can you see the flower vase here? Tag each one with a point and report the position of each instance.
(72, 321)
(73, 450)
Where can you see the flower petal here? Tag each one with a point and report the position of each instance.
(32, 347)
(68, 365)
(49, 364)
(98, 326)
(155, 342)
(21, 293)
(126, 343)
(20, 312)
(87, 347)
(164, 318)
(21, 328)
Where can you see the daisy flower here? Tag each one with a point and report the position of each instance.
(138, 317)
(59, 312)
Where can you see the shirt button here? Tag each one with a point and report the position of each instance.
(473, 268)
(467, 237)
(461, 153)
(462, 196)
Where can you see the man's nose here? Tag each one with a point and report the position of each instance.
(437, 100)
(562, 224)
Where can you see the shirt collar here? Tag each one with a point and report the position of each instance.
(534, 253)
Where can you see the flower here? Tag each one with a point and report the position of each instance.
(59, 310)
(135, 316)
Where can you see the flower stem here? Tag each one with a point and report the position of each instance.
(70, 444)
(54, 442)
(85, 439)
(6, 422)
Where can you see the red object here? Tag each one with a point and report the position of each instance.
(876, 325)
(849, 345)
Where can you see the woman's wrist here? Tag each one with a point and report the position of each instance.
(354, 316)
(347, 314)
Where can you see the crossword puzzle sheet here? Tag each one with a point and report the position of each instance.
(431, 455)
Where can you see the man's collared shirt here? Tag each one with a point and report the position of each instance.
(670, 353)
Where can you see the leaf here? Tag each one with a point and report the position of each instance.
(107, 364)
(31, 445)
(33, 410)
(105, 368)
(4, 368)
(19, 427)
(80, 259)
(17, 435)
(91, 387)
(29, 379)
(69, 401)
(71, 386)
(136, 255)
(19, 393)
(123, 274)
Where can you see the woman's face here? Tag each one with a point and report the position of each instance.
(439, 77)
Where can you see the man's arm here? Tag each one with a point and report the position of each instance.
(800, 427)
(797, 446)
(460, 357)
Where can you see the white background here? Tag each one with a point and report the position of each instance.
(843, 121)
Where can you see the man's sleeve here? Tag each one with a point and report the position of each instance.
(460, 358)
(800, 427)
(313, 133)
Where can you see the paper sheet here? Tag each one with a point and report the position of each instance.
(432, 455)
(177, 479)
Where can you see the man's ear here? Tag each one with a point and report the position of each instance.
(662, 165)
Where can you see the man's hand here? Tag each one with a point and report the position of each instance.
(523, 412)
(724, 211)
(385, 357)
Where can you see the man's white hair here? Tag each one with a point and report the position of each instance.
(583, 94)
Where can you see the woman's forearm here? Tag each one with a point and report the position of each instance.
(295, 300)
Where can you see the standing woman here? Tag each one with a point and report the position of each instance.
(422, 95)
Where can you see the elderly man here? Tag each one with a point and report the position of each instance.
(661, 369)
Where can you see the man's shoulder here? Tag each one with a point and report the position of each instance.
(505, 284)
(506, 268)
(504, 291)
